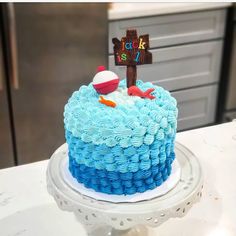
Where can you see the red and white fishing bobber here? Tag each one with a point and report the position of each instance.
(105, 81)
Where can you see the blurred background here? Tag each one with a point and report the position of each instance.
(49, 50)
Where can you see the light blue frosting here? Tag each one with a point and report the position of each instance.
(130, 159)
(125, 139)
(125, 125)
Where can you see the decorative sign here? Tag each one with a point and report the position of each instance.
(131, 51)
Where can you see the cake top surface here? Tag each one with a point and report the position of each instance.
(132, 122)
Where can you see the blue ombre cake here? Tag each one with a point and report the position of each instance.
(122, 150)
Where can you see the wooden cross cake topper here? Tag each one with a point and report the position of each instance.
(131, 51)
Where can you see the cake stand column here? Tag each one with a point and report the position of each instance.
(135, 231)
(96, 230)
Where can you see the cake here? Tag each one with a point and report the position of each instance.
(120, 142)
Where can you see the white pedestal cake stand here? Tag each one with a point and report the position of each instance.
(108, 218)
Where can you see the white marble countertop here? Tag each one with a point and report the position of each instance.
(27, 209)
(132, 10)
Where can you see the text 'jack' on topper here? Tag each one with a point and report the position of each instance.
(131, 51)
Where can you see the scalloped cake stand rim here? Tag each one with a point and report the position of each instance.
(122, 216)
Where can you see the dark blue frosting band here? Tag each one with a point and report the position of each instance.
(113, 182)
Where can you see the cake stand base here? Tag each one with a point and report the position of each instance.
(139, 230)
(135, 231)
(109, 218)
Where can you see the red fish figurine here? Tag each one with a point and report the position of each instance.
(135, 91)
